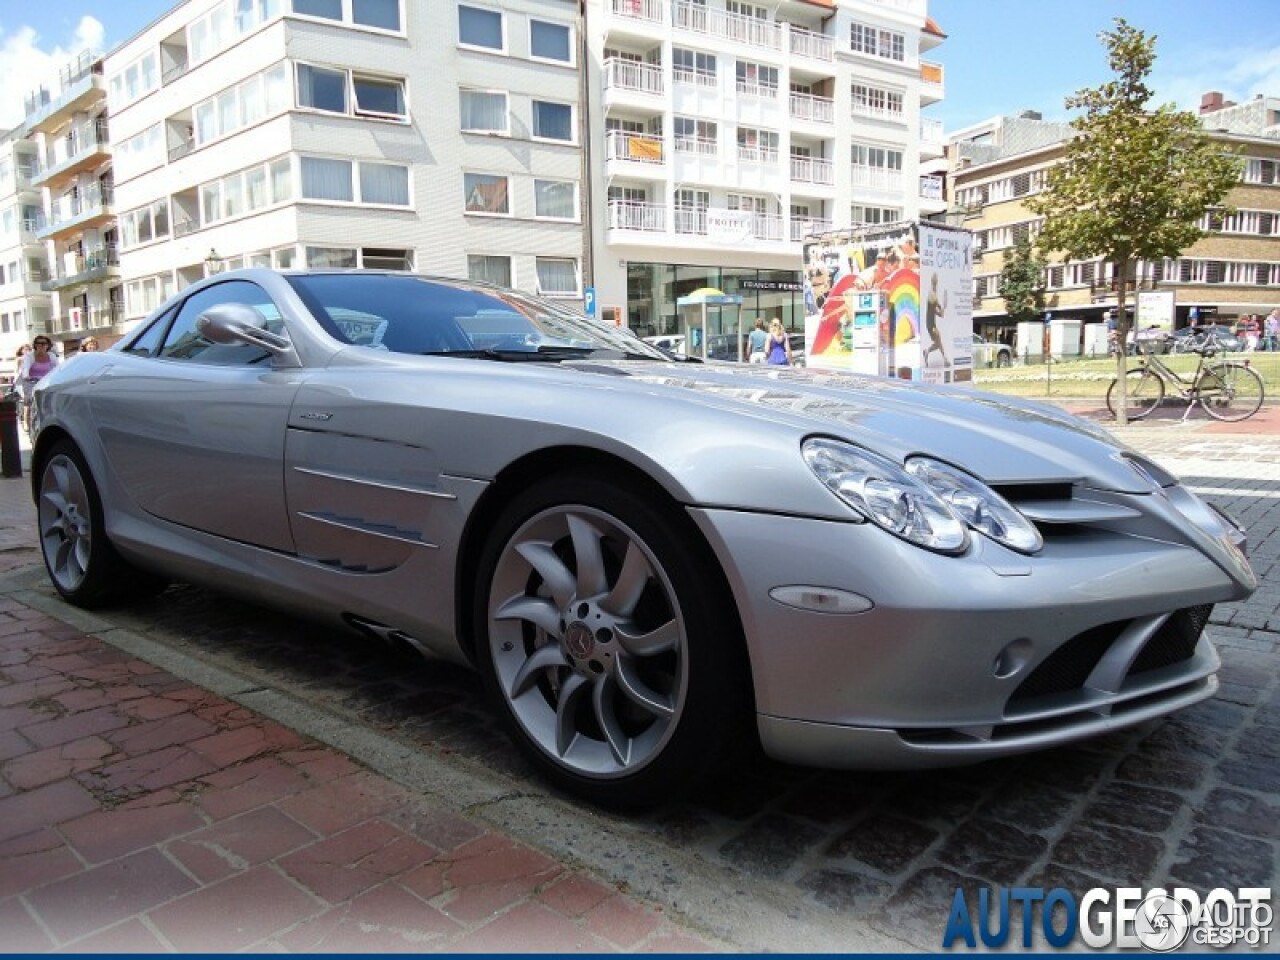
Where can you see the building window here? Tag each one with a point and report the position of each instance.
(552, 121)
(484, 111)
(555, 199)
(489, 269)
(245, 191)
(557, 277)
(886, 44)
(145, 224)
(338, 258)
(322, 89)
(757, 146)
(695, 136)
(136, 80)
(486, 193)
(382, 14)
(757, 80)
(691, 66)
(325, 9)
(326, 178)
(341, 91)
(377, 97)
(550, 41)
(380, 258)
(385, 183)
(481, 28)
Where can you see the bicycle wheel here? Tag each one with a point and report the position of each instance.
(1230, 391)
(1143, 393)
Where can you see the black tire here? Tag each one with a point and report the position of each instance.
(1144, 392)
(81, 562)
(1003, 359)
(1231, 391)
(614, 657)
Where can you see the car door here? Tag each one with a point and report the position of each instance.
(196, 430)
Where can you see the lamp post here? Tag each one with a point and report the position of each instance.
(212, 263)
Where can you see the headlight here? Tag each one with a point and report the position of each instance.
(980, 507)
(884, 493)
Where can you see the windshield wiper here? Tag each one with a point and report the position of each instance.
(546, 352)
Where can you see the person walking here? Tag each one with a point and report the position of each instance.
(1272, 340)
(757, 340)
(36, 364)
(779, 351)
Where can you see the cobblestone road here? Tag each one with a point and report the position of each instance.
(797, 860)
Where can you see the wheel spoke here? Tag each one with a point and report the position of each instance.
(566, 709)
(549, 657)
(539, 611)
(55, 499)
(607, 717)
(590, 560)
(640, 693)
(81, 556)
(665, 638)
(632, 579)
(558, 578)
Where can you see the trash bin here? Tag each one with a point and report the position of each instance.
(10, 454)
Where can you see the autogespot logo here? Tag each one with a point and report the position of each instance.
(1124, 918)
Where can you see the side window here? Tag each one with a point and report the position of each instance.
(184, 342)
(147, 343)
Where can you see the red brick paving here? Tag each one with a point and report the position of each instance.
(141, 814)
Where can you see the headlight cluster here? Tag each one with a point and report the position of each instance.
(927, 502)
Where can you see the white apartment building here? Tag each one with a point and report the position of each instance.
(439, 137)
(724, 132)
(24, 305)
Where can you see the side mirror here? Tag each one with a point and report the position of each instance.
(240, 323)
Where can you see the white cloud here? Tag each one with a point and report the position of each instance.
(28, 60)
(1239, 74)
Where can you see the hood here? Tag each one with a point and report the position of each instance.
(1000, 439)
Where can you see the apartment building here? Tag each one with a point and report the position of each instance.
(436, 137)
(24, 304)
(1235, 270)
(724, 132)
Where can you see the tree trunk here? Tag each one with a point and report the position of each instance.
(1122, 353)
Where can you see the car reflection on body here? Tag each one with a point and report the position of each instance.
(652, 563)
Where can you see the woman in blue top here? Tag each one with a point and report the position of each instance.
(779, 351)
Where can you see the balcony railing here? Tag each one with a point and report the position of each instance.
(807, 106)
(931, 78)
(691, 220)
(701, 146)
(761, 91)
(931, 130)
(877, 178)
(931, 188)
(629, 75)
(82, 139)
(174, 72)
(636, 215)
(87, 318)
(182, 228)
(651, 11)
(806, 227)
(752, 31)
(81, 204)
(78, 268)
(816, 46)
(876, 112)
(636, 147)
(754, 153)
(182, 149)
(812, 170)
(701, 78)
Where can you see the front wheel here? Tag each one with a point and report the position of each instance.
(1144, 391)
(614, 655)
(1230, 391)
(1003, 359)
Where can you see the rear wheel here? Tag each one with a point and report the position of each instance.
(1003, 359)
(1144, 391)
(617, 664)
(1230, 391)
(82, 564)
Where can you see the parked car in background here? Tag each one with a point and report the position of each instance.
(1221, 336)
(989, 353)
(672, 343)
(655, 566)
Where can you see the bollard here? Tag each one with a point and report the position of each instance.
(10, 454)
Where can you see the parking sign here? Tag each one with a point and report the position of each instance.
(589, 301)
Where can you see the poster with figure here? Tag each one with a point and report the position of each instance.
(946, 292)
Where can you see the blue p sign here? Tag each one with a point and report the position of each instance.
(589, 301)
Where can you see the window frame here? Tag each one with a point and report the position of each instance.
(538, 183)
(502, 25)
(468, 211)
(534, 103)
(506, 112)
(576, 294)
(571, 60)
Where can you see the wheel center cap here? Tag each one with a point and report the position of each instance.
(579, 641)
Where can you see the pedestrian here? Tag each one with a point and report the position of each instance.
(36, 364)
(1273, 330)
(89, 345)
(1247, 330)
(779, 350)
(757, 340)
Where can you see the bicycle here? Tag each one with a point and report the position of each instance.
(1227, 391)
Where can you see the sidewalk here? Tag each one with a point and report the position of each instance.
(140, 813)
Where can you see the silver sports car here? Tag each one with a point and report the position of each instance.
(651, 561)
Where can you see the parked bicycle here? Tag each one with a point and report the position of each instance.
(1226, 390)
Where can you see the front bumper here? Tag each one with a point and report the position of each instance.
(964, 658)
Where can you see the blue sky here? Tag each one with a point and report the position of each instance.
(1001, 56)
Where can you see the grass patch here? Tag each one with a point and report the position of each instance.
(1092, 377)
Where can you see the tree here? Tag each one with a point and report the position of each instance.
(1135, 181)
(1022, 280)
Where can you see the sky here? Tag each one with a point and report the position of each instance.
(1000, 56)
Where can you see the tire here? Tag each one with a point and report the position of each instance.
(1144, 392)
(82, 564)
(616, 662)
(1237, 391)
(1003, 359)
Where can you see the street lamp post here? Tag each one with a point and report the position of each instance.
(212, 263)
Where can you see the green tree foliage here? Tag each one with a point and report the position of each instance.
(1135, 180)
(1022, 281)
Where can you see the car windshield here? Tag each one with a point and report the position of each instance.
(404, 313)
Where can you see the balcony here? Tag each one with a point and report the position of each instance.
(815, 46)
(877, 179)
(79, 87)
(644, 11)
(629, 77)
(638, 216)
(29, 231)
(802, 228)
(932, 88)
(862, 108)
(754, 153)
(85, 319)
(31, 277)
(181, 149)
(82, 269)
(85, 146)
(183, 228)
(751, 31)
(807, 106)
(89, 209)
(639, 149)
(812, 170)
(932, 138)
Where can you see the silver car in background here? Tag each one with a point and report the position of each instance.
(653, 563)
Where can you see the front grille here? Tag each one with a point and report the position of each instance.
(1175, 641)
(1068, 667)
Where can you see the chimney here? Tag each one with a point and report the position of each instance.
(1211, 101)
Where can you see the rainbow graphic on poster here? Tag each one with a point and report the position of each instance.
(903, 288)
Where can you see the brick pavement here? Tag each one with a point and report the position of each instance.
(817, 858)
